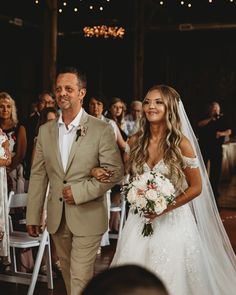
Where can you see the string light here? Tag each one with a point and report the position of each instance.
(104, 31)
(101, 8)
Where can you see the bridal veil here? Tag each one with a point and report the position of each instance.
(218, 253)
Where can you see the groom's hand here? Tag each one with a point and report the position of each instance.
(68, 196)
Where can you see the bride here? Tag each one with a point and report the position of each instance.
(189, 249)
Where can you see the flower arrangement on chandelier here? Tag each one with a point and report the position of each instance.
(104, 31)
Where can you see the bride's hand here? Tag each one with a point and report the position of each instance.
(150, 215)
(101, 174)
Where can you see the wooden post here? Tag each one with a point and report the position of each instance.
(50, 44)
(138, 49)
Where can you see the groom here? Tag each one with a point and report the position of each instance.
(67, 149)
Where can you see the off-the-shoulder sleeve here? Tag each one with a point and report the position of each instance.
(190, 162)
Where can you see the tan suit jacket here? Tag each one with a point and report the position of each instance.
(97, 148)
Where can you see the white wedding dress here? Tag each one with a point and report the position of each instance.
(174, 252)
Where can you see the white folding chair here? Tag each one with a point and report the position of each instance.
(122, 210)
(22, 240)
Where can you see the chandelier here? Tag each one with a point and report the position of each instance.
(104, 31)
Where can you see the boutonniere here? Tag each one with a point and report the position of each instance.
(81, 131)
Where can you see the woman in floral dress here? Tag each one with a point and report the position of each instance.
(5, 160)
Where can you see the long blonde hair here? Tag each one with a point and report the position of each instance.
(169, 144)
(6, 96)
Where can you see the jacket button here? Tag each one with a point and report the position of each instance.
(64, 181)
(60, 199)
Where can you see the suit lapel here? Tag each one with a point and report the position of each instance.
(76, 144)
(55, 143)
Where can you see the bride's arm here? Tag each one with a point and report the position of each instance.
(193, 179)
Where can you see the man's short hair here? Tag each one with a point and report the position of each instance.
(81, 77)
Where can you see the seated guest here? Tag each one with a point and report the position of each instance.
(96, 108)
(17, 138)
(46, 99)
(132, 119)
(116, 112)
(125, 280)
(5, 160)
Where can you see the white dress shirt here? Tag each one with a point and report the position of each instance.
(67, 136)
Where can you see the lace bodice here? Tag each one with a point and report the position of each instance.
(162, 168)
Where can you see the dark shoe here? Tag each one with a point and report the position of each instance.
(43, 271)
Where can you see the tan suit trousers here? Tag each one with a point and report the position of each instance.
(77, 255)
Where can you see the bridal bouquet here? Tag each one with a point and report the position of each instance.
(150, 192)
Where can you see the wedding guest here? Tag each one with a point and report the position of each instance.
(45, 99)
(66, 151)
(213, 129)
(5, 161)
(188, 248)
(133, 119)
(128, 279)
(97, 105)
(116, 112)
(16, 134)
(47, 114)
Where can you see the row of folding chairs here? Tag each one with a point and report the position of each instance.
(21, 240)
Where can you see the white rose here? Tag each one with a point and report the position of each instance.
(132, 195)
(141, 202)
(167, 188)
(160, 205)
(141, 181)
(151, 194)
(159, 182)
